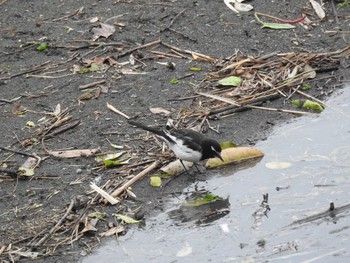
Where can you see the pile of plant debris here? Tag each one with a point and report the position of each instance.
(234, 84)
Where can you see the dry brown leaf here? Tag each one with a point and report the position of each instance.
(89, 225)
(94, 19)
(113, 231)
(310, 73)
(318, 9)
(159, 111)
(27, 168)
(234, 155)
(57, 109)
(104, 31)
(73, 153)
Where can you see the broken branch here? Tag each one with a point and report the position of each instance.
(137, 177)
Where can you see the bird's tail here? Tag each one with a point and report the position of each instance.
(147, 128)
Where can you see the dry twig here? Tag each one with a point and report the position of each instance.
(58, 224)
(137, 177)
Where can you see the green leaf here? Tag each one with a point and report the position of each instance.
(68, 29)
(94, 67)
(276, 25)
(27, 168)
(26, 171)
(308, 104)
(126, 219)
(84, 70)
(30, 124)
(298, 103)
(110, 163)
(306, 87)
(109, 156)
(273, 25)
(195, 69)
(203, 199)
(230, 81)
(344, 4)
(311, 105)
(109, 159)
(211, 197)
(98, 215)
(174, 81)
(43, 46)
(156, 181)
(228, 144)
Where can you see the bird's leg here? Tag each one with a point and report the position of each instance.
(197, 168)
(184, 167)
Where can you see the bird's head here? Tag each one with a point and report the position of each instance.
(211, 149)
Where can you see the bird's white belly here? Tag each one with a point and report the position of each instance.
(185, 153)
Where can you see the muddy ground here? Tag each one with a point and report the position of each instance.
(33, 83)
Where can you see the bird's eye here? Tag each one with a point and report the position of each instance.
(213, 149)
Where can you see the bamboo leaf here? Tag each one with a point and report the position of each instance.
(234, 155)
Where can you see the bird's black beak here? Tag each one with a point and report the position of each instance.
(218, 155)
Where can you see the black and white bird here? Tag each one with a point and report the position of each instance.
(188, 145)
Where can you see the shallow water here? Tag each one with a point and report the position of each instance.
(318, 149)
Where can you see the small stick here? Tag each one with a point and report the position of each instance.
(135, 179)
(2, 249)
(229, 110)
(64, 128)
(192, 53)
(179, 54)
(138, 164)
(249, 106)
(104, 194)
(184, 98)
(11, 173)
(215, 97)
(59, 122)
(86, 86)
(76, 12)
(309, 96)
(165, 54)
(279, 110)
(335, 12)
(109, 106)
(21, 153)
(50, 77)
(137, 48)
(52, 230)
(4, 100)
(173, 20)
(39, 67)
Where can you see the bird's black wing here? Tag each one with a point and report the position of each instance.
(190, 138)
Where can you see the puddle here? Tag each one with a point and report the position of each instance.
(318, 149)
